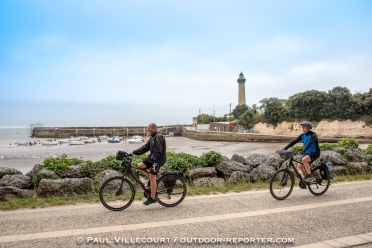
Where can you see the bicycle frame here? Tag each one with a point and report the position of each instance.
(128, 171)
(290, 164)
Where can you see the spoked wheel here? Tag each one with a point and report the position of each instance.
(116, 193)
(319, 186)
(171, 190)
(281, 184)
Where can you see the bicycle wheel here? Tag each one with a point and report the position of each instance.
(171, 190)
(281, 184)
(116, 193)
(319, 186)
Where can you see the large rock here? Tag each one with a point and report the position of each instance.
(333, 157)
(226, 167)
(103, 176)
(65, 187)
(369, 159)
(239, 177)
(256, 159)
(238, 158)
(357, 155)
(340, 150)
(9, 171)
(32, 173)
(73, 172)
(10, 193)
(262, 173)
(203, 172)
(43, 174)
(360, 167)
(340, 170)
(18, 181)
(208, 181)
(274, 160)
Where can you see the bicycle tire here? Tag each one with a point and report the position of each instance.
(319, 186)
(114, 200)
(170, 194)
(279, 182)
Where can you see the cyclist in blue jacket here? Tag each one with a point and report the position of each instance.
(311, 149)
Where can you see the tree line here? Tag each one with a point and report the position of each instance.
(312, 105)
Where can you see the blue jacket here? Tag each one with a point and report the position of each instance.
(310, 142)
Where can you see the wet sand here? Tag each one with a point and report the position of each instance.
(25, 158)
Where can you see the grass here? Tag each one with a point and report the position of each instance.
(191, 190)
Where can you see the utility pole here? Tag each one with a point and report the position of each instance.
(214, 114)
(230, 108)
(199, 111)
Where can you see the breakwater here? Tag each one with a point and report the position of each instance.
(66, 132)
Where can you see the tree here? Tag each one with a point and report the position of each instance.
(273, 110)
(248, 119)
(307, 105)
(239, 110)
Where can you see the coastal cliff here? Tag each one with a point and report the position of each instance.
(324, 129)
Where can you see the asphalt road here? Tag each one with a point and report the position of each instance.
(245, 219)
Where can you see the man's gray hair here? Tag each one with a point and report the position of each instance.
(153, 125)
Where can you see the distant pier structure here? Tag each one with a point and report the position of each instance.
(241, 89)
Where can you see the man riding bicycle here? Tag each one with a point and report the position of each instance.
(157, 158)
(311, 149)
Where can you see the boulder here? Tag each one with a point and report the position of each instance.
(340, 170)
(360, 167)
(203, 172)
(274, 160)
(238, 158)
(256, 159)
(64, 187)
(103, 176)
(369, 159)
(43, 174)
(262, 173)
(10, 192)
(208, 181)
(239, 177)
(357, 155)
(340, 150)
(32, 173)
(226, 167)
(9, 171)
(18, 181)
(73, 172)
(333, 157)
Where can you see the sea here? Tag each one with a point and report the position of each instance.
(24, 158)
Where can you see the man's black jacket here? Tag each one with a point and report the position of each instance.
(157, 147)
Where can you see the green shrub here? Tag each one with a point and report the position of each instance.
(350, 169)
(348, 143)
(348, 156)
(191, 160)
(210, 158)
(327, 147)
(60, 164)
(177, 164)
(367, 150)
(7, 172)
(297, 148)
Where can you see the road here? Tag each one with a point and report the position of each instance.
(341, 217)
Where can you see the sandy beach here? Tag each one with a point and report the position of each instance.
(24, 158)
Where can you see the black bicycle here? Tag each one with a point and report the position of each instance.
(282, 182)
(117, 193)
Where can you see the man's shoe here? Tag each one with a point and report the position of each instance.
(308, 179)
(149, 201)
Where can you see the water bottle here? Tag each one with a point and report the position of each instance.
(143, 181)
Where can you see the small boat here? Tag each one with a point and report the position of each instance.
(136, 139)
(64, 141)
(76, 142)
(49, 142)
(24, 143)
(115, 139)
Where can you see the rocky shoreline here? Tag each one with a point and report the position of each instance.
(40, 182)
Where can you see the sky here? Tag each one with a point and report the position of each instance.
(129, 63)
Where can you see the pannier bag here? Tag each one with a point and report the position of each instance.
(169, 179)
(327, 170)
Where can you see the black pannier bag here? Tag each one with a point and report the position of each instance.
(327, 170)
(121, 154)
(169, 179)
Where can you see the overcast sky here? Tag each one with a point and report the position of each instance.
(128, 63)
